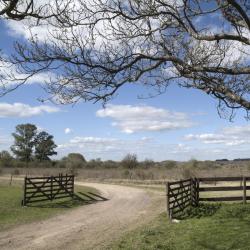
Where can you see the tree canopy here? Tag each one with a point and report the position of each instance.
(98, 46)
(24, 141)
(44, 146)
(28, 143)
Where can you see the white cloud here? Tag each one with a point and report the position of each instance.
(10, 76)
(109, 148)
(67, 130)
(24, 110)
(130, 119)
(116, 149)
(229, 136)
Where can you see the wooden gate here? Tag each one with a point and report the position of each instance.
(180, 195)
(37, 189)
(184, 193)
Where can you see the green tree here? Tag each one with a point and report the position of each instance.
(76, 157)
(25, 137)
(74, 160)
(5, 159)
(44, 146)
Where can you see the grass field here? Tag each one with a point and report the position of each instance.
(211, 227)
(12, 213)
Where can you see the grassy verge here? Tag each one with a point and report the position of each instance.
(12, 213)
(226, 227)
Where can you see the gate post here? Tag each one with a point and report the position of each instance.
(73, 185)
(51, 187)
(167, 201)
(24, 191)
(244, 190)
(192, 192)
(197, 191)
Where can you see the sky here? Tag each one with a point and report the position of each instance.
(180, 124)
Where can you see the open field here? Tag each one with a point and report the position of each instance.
(132, 218)
(153, 174)
(228, 228)
(12, 213)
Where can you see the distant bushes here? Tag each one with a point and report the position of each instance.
(129, 167)
(130, 161)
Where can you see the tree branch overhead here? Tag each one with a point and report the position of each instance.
(94, 47)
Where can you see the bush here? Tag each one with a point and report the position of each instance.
(6, 160)
(15, 172)
(170, 164)
(188, 172)
(127, 174)
(130, 161)
(147, 163)
(72, 171)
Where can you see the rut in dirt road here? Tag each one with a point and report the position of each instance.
(88, 227)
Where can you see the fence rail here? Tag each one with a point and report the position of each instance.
(184, 193)
(37, 189)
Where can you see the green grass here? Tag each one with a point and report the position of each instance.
(225, 227)
(12, 213)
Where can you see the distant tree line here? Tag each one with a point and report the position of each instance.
(34, 148)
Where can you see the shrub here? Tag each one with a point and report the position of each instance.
(188, 172)
(15, 172)
(126, 174)
(170, 164)
(6, 160)
(130, 161)
(147, 163)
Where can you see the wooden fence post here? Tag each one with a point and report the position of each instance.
(244, 190)
(193, 191)
(167, 200)
(197, 191)
(24, 193)
(73, 180)
(51, 188)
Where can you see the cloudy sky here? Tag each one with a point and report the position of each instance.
(180, 124)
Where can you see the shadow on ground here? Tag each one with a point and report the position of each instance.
(203, 210)
(79, 199)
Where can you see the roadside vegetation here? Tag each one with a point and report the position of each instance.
(12, 213)
(217, 227)
(32, 150)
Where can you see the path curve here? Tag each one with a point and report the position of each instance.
(88, 227)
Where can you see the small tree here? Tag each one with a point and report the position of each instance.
(76, 157)
(24, 137)
(44, 146)
(130, 161)
(5, 159)
(74, 161)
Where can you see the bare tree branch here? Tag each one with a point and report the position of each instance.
(95, 47)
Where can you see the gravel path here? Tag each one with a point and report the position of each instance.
(88, 227)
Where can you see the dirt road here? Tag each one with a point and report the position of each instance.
(88, 227)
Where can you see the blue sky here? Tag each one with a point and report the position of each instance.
(179, 125)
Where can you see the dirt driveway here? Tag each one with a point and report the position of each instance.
(88, 227)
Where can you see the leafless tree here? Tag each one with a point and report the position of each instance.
(98, 46)
(21, 9)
